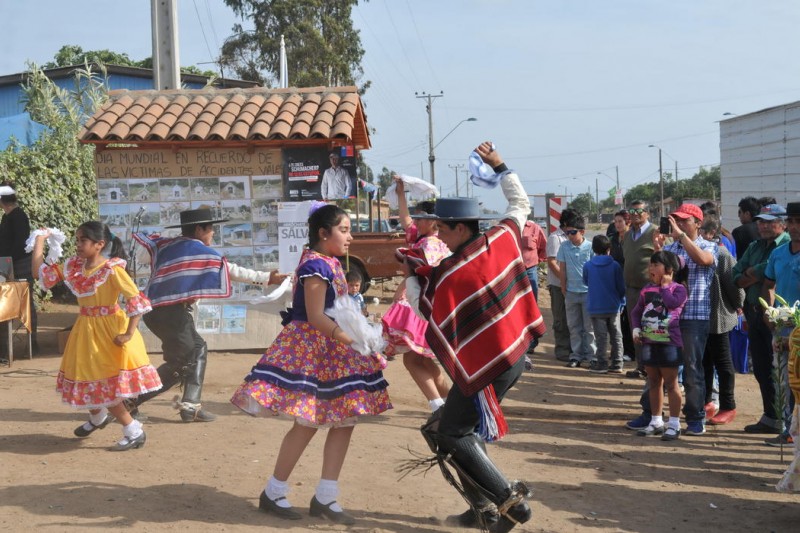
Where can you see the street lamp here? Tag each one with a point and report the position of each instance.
(431, 156)
(617, 190)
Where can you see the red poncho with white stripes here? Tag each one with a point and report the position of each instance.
(482, 315)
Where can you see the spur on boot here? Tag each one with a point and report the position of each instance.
(128, 443)
(340, 517)
(517, 514)
(196, 415)
(82, 431)
(270, 506)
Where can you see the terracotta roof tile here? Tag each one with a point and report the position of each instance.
(255, 114)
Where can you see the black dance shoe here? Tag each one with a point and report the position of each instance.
(128, 443)
(82, 432)
(340, 517)
(269, 506)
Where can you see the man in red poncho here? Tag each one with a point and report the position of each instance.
(482, 317)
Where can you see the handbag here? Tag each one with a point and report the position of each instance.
(739, 345)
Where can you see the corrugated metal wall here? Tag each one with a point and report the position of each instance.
(760, 156)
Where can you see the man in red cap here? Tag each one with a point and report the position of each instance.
(700, 258)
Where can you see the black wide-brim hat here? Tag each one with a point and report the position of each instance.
(456, 209)
(197, 216)
(793, 209)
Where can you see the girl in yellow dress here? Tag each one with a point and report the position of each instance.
(105, 360)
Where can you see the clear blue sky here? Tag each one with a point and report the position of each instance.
(566, 89)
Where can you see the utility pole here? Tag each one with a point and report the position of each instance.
(166, 54)
(661, 181)
(466, 181)
(597, 198)
(456, 169)
(677, 183)
(429, 109)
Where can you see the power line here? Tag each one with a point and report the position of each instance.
(400, 42)
(203, 31)
(422, 44)
(622, 107)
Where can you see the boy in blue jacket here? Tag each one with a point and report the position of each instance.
(603, 276)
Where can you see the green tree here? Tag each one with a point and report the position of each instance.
(72, 54)
(322, 46)
(385, 179)
(585, 205)
(55, 176)
(705, 184)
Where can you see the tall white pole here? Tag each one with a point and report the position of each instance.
(166, 52)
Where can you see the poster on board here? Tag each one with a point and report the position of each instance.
(292, 233)
(317, 174)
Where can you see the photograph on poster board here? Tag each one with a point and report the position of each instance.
(241, 255)
(215, 206)
(339, 178)
(209, 318)
(171, 212)
(234, 318)
(237, 210)
(265, 232)
(234, 188)
(237, 234)
(266, 257)
(204, 188)
(115, 214)
(143, 190)
(112, 191)
(267, 187)
(265, 210)
(173, 190)
(151, 215)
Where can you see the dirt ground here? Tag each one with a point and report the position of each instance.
(587, 472)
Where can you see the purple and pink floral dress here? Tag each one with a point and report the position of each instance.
(305, 374)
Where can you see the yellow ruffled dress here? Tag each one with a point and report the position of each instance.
(94, 371)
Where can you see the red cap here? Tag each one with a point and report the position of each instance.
(688, 210)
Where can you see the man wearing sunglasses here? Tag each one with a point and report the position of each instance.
(637, 247)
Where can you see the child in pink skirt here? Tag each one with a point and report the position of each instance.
(403, 329)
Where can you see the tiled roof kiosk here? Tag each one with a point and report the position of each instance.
(248, 154)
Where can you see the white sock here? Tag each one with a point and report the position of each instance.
(435, 403)
(277, 489)
(132, 430)
(99, 417)
(656, 421)
(674, 422)
(327, 491)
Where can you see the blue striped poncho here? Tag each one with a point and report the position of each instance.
(183, 269)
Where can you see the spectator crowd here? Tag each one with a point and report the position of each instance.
(667, 297)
